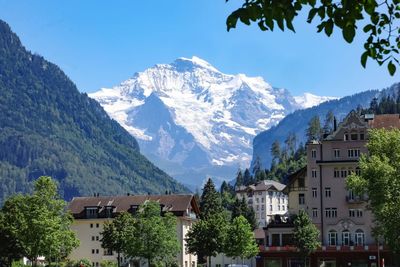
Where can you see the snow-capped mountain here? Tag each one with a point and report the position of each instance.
(188, 115)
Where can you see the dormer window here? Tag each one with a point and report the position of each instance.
(91, 212)
(134, 208)
(109, 211)
(346, 137)
(362, 137)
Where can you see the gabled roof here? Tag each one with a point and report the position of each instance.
(172, 203)
(264, 185)
(296, 175)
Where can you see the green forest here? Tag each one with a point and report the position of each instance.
(47, 127)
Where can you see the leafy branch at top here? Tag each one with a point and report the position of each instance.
(382, 44)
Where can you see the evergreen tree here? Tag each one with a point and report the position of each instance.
(276, 150)
(210, 202)
(247, 178)
(239, 178)
(290, 143)
(314, 129)
(328, 124)
(240, 208)
(257, 165)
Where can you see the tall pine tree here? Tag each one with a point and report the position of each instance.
(210, 202)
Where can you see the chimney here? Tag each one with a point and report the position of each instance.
(334, 124)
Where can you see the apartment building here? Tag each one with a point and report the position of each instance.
(266, 198)
(341, 216)
(90, 214)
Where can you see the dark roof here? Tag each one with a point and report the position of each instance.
(294, 176)
(385, 121)
(172, 203)
(262, 186)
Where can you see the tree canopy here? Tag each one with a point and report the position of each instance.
(240, 241)
(38, 224)
(305, 234)
(379, 179)
(379, 21)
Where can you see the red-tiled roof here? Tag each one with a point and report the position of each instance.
(385, 121)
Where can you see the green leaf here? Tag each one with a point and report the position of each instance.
(348, 33)
(364, 58)
(391, 68)
(329, 27)
(312, 14)
(231, 21)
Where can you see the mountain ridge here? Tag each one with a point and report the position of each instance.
(222, 112)
(49, 128)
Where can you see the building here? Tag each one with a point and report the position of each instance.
(266, 198)
(90, 214)
(320, 189)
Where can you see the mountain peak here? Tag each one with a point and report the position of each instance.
(195, 61)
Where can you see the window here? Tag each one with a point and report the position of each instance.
(314, 153)
(186, 264)
(314, 173)
(353, 152)
(362, 137)
(354, 136)
(314, 192)
(279, 207)
(109, 211)
(336, 153)
(93, 238)
(352, 213)
(257, 207)
(336, 173)
(97, 264)
(97, 225)
(332, 238)
(346, 238)
(91, 225)
(350, 195)
(262, 207)
(315, 212)
(327, 192)
(343, 173)
(91, 212)
(193, 264)
(257, 200)
(330, 212)
(346, 137)
(93, 251)
(270, 207)
(283, 207)
(350, 171)
(301, 199)
(359, 213)
(97, 238)
(360, 237)
(97, 251)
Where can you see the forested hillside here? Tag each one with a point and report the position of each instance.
(48, 128)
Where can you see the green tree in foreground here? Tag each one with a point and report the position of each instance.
(116, 233)
(305, 234)
(39, 222)
(240, 241)
(380, 21)
(207, 237)
(155, 236)
(380, 180)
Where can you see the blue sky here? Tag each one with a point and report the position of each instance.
(101, 43)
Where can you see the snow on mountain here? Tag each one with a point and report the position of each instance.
(208, 118)
(308, 100)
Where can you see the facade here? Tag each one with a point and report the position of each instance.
(90, 214)
(320, 189)
(266, 198)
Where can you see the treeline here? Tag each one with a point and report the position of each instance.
(47, 127)
(385, 104)
(288, 157)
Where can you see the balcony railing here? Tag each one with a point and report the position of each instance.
(355, 200)
(371, 248)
